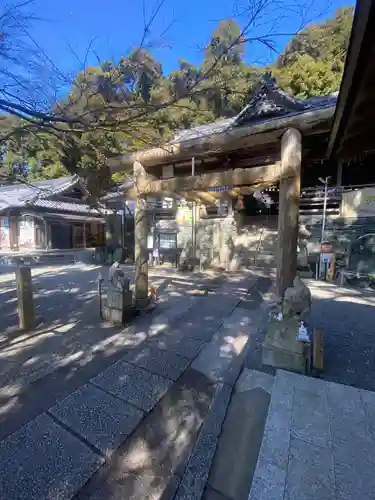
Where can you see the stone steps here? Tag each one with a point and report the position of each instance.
(238, 448)
(318, 442)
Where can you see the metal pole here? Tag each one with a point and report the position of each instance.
(325, 182)
(193, 229)
(123, 226)
(324, 209)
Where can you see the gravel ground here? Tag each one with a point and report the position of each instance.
(347, 317)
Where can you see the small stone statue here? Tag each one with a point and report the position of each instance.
(303, 236)
(117, 277)
(297, 301)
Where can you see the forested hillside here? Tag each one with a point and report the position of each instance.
(134, 105)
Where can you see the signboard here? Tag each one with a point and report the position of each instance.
(325, 258)
(326, 248)
(184, 214)
(327, 266)
(359, 203)
(150, 241)
(167, 171)
(219, 188)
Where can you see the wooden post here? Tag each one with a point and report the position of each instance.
(289, 200)
(141, 252)
(26, 312)
(318, 349)
(14, 228)
(140, 236)
(339, 173)
(45, 242)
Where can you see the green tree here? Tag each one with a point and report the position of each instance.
(328, 40)
(115, 108)
(313, 61)
(307, 77)
(226, 44)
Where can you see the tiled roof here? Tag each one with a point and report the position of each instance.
(203, 130)
(266, 102)
(37, 194)
(65, 206)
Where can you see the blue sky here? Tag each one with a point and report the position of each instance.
(68, 27)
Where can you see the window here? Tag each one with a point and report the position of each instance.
(78, 236)
(168, 240)
(94, 234)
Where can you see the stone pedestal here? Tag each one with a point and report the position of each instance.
(26, 311)
(119, 306)
(281, 349)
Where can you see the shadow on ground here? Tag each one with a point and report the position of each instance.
(38, 370)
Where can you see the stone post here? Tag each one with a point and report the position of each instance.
(26, 312)
(289, 200)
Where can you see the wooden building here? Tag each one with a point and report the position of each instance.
(352, 141)
(46, 215)
(276, 140)
(352, 138)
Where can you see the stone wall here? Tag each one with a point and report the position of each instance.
(343, 234)
(218, 242)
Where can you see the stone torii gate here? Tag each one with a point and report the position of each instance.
(259, 147)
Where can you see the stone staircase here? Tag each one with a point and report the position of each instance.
(318, 441)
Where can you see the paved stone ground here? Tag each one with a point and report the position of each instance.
(135, 399)
(318, 443)
(72, 345)
(65, 294)
(67, 307)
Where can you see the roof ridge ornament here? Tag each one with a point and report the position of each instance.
(269, 80)
(268, 101)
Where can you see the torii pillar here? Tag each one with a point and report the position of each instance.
(289, 201)
(140, 243)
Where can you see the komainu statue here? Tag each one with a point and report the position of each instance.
(297, 301)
